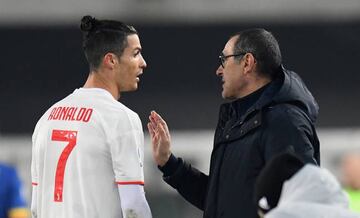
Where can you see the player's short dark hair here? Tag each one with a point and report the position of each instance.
(265, 48)
(103, 36)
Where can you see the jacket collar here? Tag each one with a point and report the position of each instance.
(265, 99)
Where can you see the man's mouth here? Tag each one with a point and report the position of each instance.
(138, 76)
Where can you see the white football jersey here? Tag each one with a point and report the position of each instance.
(84, 146)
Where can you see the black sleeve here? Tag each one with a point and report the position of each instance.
(288, 129)
(187, 180)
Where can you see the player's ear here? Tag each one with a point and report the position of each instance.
(109, 60)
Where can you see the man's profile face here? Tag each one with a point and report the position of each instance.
(231, 73)
(131, 65)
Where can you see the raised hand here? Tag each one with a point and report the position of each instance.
(160, 138)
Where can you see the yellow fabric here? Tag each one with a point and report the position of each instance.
(19, 213)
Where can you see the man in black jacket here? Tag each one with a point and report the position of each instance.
(271, 111)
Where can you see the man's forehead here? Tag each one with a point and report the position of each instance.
(229, 46)
(133, 41)
(233, 40)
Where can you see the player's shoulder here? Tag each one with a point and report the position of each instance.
(119, 119)
(107, 108)
(45, 115)
(124, 110)
(48, 111)
(102, 101)
(121, 115)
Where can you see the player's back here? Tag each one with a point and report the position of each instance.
(78, 155)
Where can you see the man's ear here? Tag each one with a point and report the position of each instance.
(109, 60)
(249, 63)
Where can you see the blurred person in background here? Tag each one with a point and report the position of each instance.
(271, 111)
(288, 188)
(87, 154)
(12, 202)
(350, 167)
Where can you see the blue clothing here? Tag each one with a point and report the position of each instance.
(10, 191)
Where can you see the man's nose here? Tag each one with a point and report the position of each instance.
(219, 71)
(143, 62)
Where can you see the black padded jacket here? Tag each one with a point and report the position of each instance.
(281, 119)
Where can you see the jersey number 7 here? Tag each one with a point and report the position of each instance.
(63, 136)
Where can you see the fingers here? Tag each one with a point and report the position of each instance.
(162, 132)
(160, 138)
(152, 119)
(157, 119)
(153, 134)
(151, 130)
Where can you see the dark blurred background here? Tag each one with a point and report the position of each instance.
(42, 64)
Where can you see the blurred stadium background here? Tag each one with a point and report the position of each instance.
(42, 62)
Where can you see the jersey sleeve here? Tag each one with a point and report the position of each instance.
(127, 153)
(133, 201)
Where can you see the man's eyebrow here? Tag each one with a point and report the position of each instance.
(138, 48)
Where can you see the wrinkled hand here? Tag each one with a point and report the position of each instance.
(160, 138)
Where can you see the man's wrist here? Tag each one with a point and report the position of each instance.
(170, 166)
(165, 158)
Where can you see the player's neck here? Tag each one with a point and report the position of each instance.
(98, 80)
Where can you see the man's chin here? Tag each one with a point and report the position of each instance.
(134, 88)
(223, 95)
(226, 96)
(131, 89)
